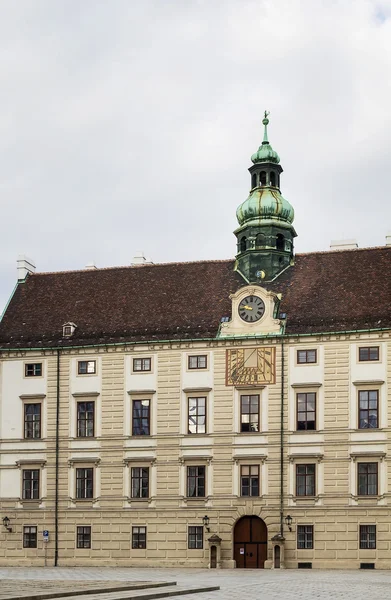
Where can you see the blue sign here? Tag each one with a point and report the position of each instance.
(45, 533)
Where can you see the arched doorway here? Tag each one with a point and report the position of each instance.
(250, 543)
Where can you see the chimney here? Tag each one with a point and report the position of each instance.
(139, 259)
(91, 266)
(25, 266)
(343, 245)
(388, 239)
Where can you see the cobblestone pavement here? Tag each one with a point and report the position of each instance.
(235, 584)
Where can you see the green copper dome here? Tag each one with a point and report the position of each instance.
(265, 152)
(265, 203)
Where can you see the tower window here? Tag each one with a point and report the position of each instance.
(243, 244)
(254, 180)
(272, 178)
(262, 178)
(280, 242)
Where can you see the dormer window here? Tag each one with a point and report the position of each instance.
(68, 329)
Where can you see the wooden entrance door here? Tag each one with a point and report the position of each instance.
(250, 543)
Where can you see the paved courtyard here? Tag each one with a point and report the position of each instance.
(235, 584)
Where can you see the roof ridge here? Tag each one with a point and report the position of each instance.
(334, 251)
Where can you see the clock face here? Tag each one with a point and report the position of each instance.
(251, 309)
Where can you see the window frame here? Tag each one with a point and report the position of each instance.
(31, 485)
(306, 352)
(197, 367)
(195, 537)
(306, 533)
(366, 475)
(139, 538)
(83, 537)
(30, 536)
(306, 476)
(197, 415)
(80, 431)
(139, 477)
(89, 477)
(250, 477)
(142, 360)
(365, 537)
(258, 422)
(27, 423)
(306, 412)
(368, 410)
(139, 431)
(198, 479)
(369, 359)
(86, 372)
(34, 368)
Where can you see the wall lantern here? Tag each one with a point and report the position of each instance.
(205, 521)
(288, 521)
(6, 523)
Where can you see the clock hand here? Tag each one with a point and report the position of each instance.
(247, 307)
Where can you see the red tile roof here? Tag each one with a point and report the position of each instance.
(322, 292)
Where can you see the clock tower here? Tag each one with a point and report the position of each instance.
(265, 233)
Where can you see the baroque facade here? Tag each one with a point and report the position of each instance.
(217, 413)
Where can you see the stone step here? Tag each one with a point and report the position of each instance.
(169, 591)
(86, 591)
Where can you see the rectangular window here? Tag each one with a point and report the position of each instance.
(305, 537)
(141, 364)
(141, 417)
(30, 484)
(197, 415)
(32, 421)
(249, 480)
(195, 537)
(33, 370)
(249, 413)
(367, 479)
(29, 537)
(84, 483)
(306, 357)
(367, 537)
(368, 406)
(85, 419)
(368, 353)
(84, 537)
(140, 482)
(139, 537)
(196, 482)
(306, 411)
(198, 362)
(305, 480)
(86, 367)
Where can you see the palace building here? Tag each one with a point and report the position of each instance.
(223, 413)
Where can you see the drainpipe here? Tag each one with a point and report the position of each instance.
(57, 462)
(282, 443)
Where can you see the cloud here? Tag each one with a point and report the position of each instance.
(130, 125)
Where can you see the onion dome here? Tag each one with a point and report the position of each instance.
(265, 203)
(265, 152)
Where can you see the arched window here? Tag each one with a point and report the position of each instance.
(260, 240)
(254, 180)
(243, 244)
(272, 178)
(280, 241)
(262, 178)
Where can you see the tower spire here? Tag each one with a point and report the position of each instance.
(265, 122)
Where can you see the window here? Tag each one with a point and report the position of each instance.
(195, 537)
(140, 482)
(272, 178)
(141, 417)
(29, 536)
(85, 419)
(139, 537)
(32, 421)
(367, 537)
(68, 329)
(306, 357)
(280, 241)
(86, 367)
(253, 180)
(198, 362)
(368, 353)
(30, 484)
(249, 413)
(367, 479)
(33, 370)
(306, 411)
(84, 537)
(196, 482)
(249, 480)
(197, 415)
(243, 244)
(368, 405)
(305, 537)
(305, 480)
(84, 483)
(141, 364)
(262, 177)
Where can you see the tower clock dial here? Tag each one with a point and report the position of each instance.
(251, 309)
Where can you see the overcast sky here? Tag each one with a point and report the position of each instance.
(128, 125)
